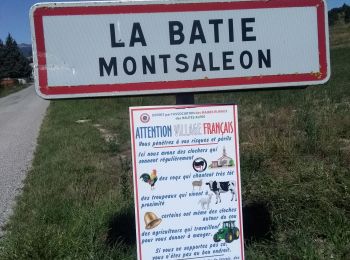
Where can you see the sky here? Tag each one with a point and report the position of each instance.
(14, 17)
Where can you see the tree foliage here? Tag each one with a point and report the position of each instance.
(2, 55)
(333, 17)
(347, 15)
(339, 14)
(12, 62)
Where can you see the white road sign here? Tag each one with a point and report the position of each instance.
(132, 48)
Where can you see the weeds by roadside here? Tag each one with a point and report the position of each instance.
(5, 91)
(295, 150)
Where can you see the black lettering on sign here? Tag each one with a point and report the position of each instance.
(108, 67)
(114, 43)
(176, 35)
(226, 60)
(151, 66)
(132, 70)
(266, 59)
(179, 60)
(137, 35)
(211, 63)
(165, 58)
(246, 29)
(215, 23)
(198, 62)
(230, 30)
(197, 32)
(246, 65)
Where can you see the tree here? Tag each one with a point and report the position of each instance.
(332, 17)
(2, 56)
(347, 14)
(345, 6)
(13, 63)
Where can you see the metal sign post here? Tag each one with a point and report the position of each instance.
(185, 98)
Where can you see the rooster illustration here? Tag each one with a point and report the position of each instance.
(151, 179)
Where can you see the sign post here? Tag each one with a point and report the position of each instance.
(134, 48)
(187, 182)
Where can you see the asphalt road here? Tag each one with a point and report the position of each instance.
(21, 115)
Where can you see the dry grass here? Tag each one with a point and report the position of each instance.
(340, 36)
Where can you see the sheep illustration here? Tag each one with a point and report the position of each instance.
(197, 184)
(205, 201)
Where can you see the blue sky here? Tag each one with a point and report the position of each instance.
(14, 17)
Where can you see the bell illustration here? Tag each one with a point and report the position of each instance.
(151, 220)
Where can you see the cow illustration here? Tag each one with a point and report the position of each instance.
(199, 165)
(222, 187)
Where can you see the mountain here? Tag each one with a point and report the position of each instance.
(26, 49)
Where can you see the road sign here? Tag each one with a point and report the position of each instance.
(133, 48)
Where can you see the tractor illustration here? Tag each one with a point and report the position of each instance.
(229, 232)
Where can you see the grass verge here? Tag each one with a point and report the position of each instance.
(5, 91)
(295, 157)
(339, 35)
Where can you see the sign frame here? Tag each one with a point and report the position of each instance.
(40, 11)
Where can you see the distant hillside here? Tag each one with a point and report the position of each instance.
(26, 49)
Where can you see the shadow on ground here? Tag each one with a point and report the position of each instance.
(257, 224)
(121, 229)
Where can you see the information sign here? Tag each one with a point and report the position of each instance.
(187, 182)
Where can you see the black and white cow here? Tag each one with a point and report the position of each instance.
(222, 187)
(199, 164)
